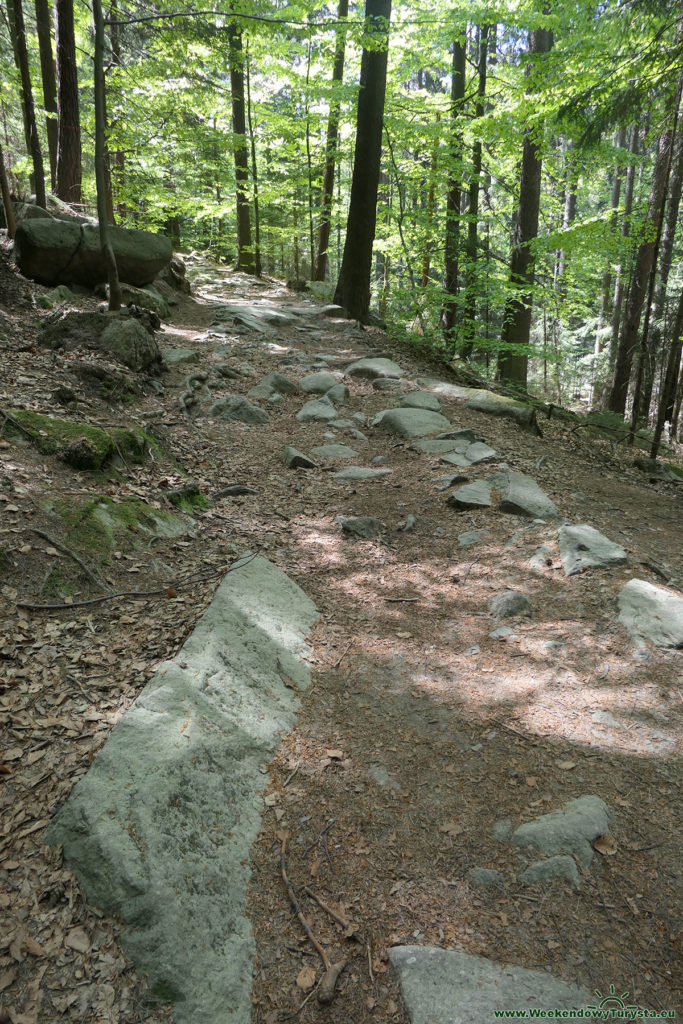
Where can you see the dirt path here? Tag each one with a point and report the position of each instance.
(420, 733)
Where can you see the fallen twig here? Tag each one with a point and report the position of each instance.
(328, 910)
(74, 557)
(297, 909)
(397, 600)
(343, 655)
(175, 584)
(291, 775)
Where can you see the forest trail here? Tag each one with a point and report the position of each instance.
(429, 732)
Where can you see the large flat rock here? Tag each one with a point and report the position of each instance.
(521, 495)
(501, 405)
(569, 829)
(446, 389)
(584, 547)
(159, 830)
(652, 613)
(410, 423)
(372, 368)
(446, 986)
(66, 252)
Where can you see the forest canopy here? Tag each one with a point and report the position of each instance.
(504, 178)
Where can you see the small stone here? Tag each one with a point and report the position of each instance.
(458, 435)
(332, 452)
(555, 867)
(373, 368)
(361, 526)
(455, 459)
(178, 356)
(360, 417)
(440, 446)
(380, 460)
(278, 382)
(570, 829)
(583, 547)
(522, 496)
(471, 651)
(469, 538)
(421, 400)
(476, 495)
(503, 633)
(410, 423)
(389, 384)
(318, 383)
(487, 878)
(382, 777)
(442, 483)
(501, 830)
(318, 409)
(358, 473)
(542, 558)
(642, 655)
(235, 407)
(652, 613)
(294, 459)
(341, 424)
(509, 603)
(339, 394)
(604, 718)
(480, 452)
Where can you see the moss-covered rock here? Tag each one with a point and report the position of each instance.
(96, 525)
(188, 498)
(80, 445)
(660, 470)
(120, 336)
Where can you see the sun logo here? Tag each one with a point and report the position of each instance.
(611, 1001)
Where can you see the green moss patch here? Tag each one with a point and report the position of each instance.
(660, 470)
(80, 445)
(97, 525)
(188, 498)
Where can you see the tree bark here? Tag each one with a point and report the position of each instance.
(117, 174)
(617, 180)
(6, 198)
(667, 395)
(353, 286)
(331, 146)
(11, 23)
(69, 120)
(453, 197)
(100, 158)
(663, 270)
(513, 358)
(245, 253)
(27, 92)
(470, 318)
(647, 251)
(48, 75)
(254, 171)
(620, 285)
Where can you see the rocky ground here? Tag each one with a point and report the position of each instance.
(431, 730)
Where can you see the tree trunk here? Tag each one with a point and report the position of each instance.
(617, 179)
(6, 198)
(431, 195)
(69, 121)
(11, 23)
(513, 359)
(48, 75)
(245, 253)
(100, 158)
(470, 319)
(620, 285)
(647, 251)
(320, 265)
(118, 173)
(667, 395)
(254, 172)
(453, 197)
(27, 92)
(353, 286)
(664, 268)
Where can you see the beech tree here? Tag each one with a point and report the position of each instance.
(353, 286)
(513, 359)
(68, 174)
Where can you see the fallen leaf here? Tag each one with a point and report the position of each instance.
(531, 780)
(13, 754)
(6, 978)
(404, 636)
(566, 766)
(271, 799)
(77, 939)
(170, 591)
(288, 681)
(336, 755)
(306, 979)
(451, 828)
(606, 845)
